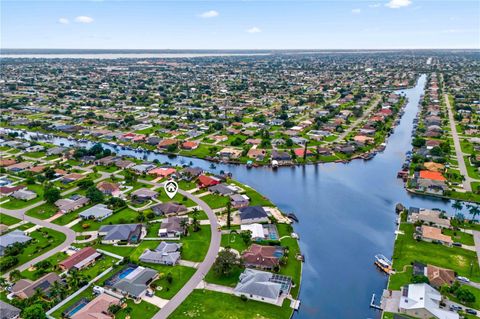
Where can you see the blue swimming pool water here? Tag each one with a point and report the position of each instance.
(125, 273)
(77, 308)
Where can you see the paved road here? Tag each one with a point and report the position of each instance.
(70, 234)
(20, 214)
(357, 122)
(458, 149)
(203, 267)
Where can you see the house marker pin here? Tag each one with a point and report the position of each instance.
(171, 188)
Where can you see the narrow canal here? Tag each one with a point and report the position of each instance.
(346, 214)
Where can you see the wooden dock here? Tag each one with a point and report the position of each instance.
(373, 305)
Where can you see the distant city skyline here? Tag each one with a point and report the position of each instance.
(247, 25)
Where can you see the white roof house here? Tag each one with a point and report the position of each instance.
(422, 300)
(256, 229)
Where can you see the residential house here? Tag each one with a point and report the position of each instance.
(98, 212)
(434, 234)
(7, 311)
(143, 194)
(423, 301)
(263, 286)
(129, 233)
(136, 282)
(81, 259)
(262, 257)
(253, 214)
(239, 200)
(171, 227)
(165, 254)
(207, 181)
(222, 189)
(24, 194)
(169, 209)
(162, 171)
(108, 188)
(432, 217)
(15, 236)
(25, 288)
(438, 277)
(98, 308)
(66, 205)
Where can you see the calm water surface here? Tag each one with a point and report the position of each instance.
(346, 214)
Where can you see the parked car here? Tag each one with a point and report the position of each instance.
(457, 244)
(455, 308)
(463, 279)
(471, 311)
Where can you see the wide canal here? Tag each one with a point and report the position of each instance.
(346, 214)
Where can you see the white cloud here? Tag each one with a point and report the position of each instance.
(374, 5)
(254, 30)
(356, 11)
(84, 19)
(395, 4)
(209, 14)
(63, 21)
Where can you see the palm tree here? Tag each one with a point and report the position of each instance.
(15, 275)
(184, 225)
(229, 212)
(195, 222)
(457, 205)
(474, 211)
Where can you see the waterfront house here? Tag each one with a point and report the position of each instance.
(432, 217)
(433, 234)
(239, 200)
(253, 214)
(263, 286)
(438, 277)
(423, 301)
(262, 257)
(162, 171)
(207, 181)
(222, 189)
(126, 233)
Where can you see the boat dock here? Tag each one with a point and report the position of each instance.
(373, 305)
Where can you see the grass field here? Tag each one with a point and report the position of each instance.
(407, 250)
(8, 220)
(204, 304)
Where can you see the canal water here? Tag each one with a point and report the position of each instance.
(346, 214)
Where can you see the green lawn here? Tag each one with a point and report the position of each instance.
(459, 236)
(124, 216)
(195, 245)
(180, 276)
(54, 260)
(474, 291)
(43, 211)
(400, 279)
(14, 203)
(141, 310)
(8, 220)
(233, 241)
(44, 240)
(209, 304)
(230, 280)
(407, 250)
(215, 201)
(293, 268)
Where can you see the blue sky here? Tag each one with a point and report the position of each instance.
(231, 24)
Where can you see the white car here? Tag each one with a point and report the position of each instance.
(464, 279)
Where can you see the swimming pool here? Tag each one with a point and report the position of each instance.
(125, 273)
(75, 308)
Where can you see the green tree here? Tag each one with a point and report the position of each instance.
(51, 195)
(229, 213)
(34, 311)
(95, 195)
(225, 263)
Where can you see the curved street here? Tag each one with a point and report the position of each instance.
(204, 266)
